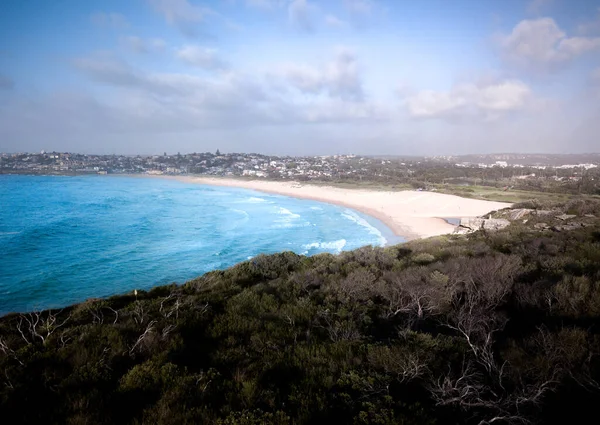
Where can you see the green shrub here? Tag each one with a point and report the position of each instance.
(423, 258)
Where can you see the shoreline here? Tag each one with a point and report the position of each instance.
(392, 208)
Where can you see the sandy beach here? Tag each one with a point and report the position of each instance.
(409, 214)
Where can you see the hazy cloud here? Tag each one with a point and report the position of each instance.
(360, 7)
(265, 4)
(335, 22)
(470, 99)
(536, 7)
(591, 26)
(339, 78)
(104, 67)
(108, 69)
(140, 45)
(178, 101)
(361, 12)
(323, 107)
(182, 14)
(201, 57)
(109, 20)
(6, 83)
(540, 43)
(182, 101)
(301, 14)
(404, 90)
(595, 82)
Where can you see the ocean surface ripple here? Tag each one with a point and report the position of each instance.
(66, 239)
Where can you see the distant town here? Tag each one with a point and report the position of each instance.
(214, 164)
(496, 169)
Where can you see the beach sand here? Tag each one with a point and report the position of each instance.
(409, 214)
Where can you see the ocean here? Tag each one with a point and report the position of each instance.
(66, 239)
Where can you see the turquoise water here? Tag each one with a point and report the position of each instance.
(66, 239)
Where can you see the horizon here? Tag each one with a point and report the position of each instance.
(375, 155)
(300, 77)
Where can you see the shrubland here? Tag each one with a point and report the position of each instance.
(489, 327)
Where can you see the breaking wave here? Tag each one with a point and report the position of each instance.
(336, 246)
(352, 216)
(287, 219)
(254, 200)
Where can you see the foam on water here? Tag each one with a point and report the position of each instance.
(352, 216)
(66, 239)
(287, 219)
(287, 213)
(254, 200)
(242, 212)
(335, 246)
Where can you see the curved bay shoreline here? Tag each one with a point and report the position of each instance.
(409, 214)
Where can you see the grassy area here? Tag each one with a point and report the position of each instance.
(511, 195)
(364, 184)
(477, 192)
(487, 193)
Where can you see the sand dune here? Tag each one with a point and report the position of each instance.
(409, 214)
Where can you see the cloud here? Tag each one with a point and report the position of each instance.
(226, 100)
(340, 111)
(361, 12)
(536, 7)
(6, 83)
(182, 14)
(150, 112)
(591, 26)
(137, 124)
(594, 82)
(109, 20)
(173, 100)
(108, 69)
(404, 90)
(201, 57)
(301, 14)
(265, 4)
(360, 7)
(140, 45)
(335, 22)
(541, 44)
(104, 67)
(339, 78)
(466, 99)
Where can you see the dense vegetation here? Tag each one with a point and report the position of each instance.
(450, 177)
(485, 328)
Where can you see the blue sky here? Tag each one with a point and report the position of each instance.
(300, 76)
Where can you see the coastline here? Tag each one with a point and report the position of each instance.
(409, 214)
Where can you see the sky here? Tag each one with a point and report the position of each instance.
(300, 77)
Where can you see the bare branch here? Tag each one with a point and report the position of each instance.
(116, 314)
(148, 331)
(139, 312)
(39, 327)
(167, 330)
(9, 352)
